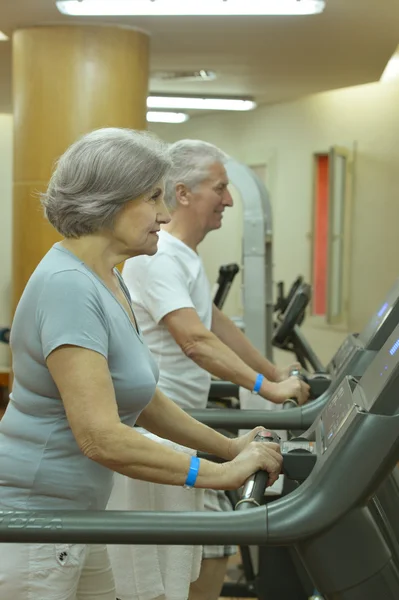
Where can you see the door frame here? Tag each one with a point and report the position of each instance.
(343, 317)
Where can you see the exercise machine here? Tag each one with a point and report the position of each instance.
(225, 280)
(5, 335)
(257, 256)
(351, 359)
(327, 519)
(287, 335)
(283, 301)
(257, 259)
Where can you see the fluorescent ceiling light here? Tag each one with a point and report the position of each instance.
(189, 7)
(199, 103)
(392, 69)
(166, 117)
(3, 37)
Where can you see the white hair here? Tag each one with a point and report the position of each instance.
(191, 161)
(98, 174)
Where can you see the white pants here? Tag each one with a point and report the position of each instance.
(157, 572)
(55, 572)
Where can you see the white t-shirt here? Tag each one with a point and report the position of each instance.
(172, 279)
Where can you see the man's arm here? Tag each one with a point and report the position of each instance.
(231, 336)
(209, 352)
(166, 297)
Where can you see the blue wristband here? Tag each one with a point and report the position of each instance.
(192, 472)
(258, 383)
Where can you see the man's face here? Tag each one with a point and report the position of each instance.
(210, 198)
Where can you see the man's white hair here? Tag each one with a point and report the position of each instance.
(191, 161)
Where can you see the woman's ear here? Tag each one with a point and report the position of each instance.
(182, 194)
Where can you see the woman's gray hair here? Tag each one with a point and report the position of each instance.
(98, 174)
(191, 161)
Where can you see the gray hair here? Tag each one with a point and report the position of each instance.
(98, 174)
(191, 161)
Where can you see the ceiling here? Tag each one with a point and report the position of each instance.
(272, 59)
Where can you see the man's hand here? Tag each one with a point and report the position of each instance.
(293, 387)
(285, 373)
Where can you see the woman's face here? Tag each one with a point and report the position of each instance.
(138, 223)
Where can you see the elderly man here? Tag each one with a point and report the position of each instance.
(190, 340)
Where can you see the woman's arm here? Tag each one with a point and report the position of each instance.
(164, 418)
(86, 388)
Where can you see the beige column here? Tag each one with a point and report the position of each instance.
(66, 82)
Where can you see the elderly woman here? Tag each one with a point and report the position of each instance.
(83, 376)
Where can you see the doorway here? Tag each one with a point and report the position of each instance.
(331, 235)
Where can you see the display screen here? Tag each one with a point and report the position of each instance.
(373, 335)
(394, 348)
(335, 413)
(383, 309)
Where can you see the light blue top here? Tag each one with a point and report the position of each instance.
(41, 465)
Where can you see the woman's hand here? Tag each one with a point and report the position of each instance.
(238, 444)
(293, 387)
(254, 457)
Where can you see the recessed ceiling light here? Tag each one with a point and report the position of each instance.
(190, 7)
(3, 37)
(200, 75)
(391, 71)
(166, 117)
(200, 103)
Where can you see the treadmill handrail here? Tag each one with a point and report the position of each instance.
(224, 389)
(286, 521)
(378, 456)
(292, 418)
(133, 527)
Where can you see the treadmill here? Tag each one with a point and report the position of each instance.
(351, 359)
(327, 519)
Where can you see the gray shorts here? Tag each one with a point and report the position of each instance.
(217, 501)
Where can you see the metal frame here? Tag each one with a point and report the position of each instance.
(337, 151)
(347, 219)
(257, 256)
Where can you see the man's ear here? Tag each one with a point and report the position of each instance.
(182, 194)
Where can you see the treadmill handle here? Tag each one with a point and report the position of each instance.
(255, 486)
(300, 373)
(290, 403)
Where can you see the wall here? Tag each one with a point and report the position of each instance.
(5, 227)
(285, 137)
(215, 254)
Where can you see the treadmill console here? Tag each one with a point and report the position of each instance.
(375, 383)
(349, 347)
(377, 328)
(376, 392)
(335, 414)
